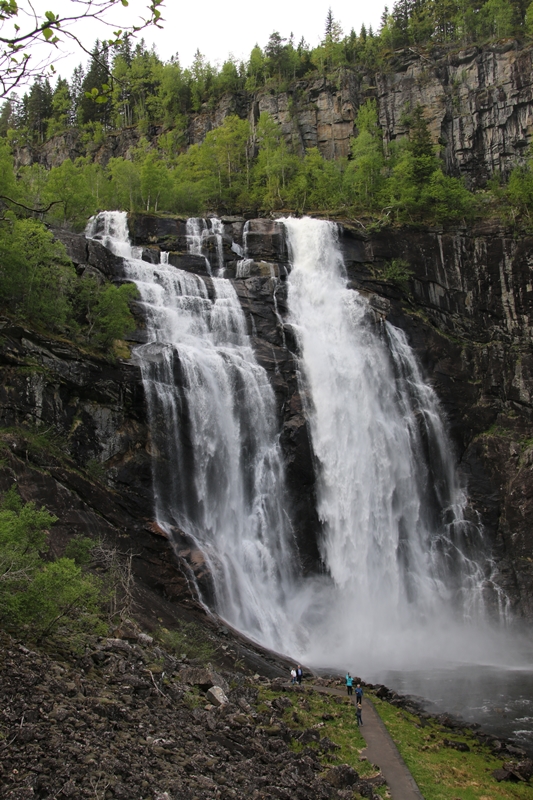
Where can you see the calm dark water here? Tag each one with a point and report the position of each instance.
(499, 699)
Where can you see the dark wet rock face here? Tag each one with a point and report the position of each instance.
(465, 305)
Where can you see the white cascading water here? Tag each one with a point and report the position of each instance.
(199, 233)
(218, 474)
(404, 573)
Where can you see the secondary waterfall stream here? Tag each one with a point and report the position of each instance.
(405, 574)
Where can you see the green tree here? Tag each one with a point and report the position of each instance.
(8, 182)
(106, 310)
(22, 27)
(274, 166)
(364, 176)
(39, 109)
(36, 278)
(220, 165)
(317, 184)
(125, 190)
(67, 187)
(62, 107)
(155, 183)
(34, 592)
(520, 189)
(90, 106)
(256, 69)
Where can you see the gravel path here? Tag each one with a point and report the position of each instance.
(382, 751)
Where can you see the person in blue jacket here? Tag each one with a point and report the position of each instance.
(349, 683)
(359, 693)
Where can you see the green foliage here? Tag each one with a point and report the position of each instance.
(79, 550)
(519, 192)
(68, 189)
(395, 271)
(106, 310)
(59, 592)
(35, 277)
(364, 177)
(35, 592)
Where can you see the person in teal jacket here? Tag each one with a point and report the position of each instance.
(349, 683)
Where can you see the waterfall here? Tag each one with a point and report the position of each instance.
(403, 564)
(201, 234)
(405, 573)
(217, 469)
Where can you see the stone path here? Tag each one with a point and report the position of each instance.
(381, 751)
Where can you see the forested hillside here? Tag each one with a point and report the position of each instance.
(247, 162)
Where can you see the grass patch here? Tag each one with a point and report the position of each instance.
(188, 640)
(332, 717)
(441, 772)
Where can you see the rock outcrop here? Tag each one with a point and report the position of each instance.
(478, 102)
(465, 303)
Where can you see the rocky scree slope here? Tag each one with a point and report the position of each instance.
(128, 720)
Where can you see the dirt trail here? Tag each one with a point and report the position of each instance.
(382, 751)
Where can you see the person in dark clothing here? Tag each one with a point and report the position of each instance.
(299, 674)
(359, 714)
(358, 693)
(349, 684)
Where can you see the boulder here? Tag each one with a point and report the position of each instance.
(341, 776)
(216, 696)
(203, 678)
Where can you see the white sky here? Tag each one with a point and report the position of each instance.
(218, 28)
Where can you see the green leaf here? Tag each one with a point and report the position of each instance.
(124, 3)
(48, 33)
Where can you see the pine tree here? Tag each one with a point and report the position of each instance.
(91, 109)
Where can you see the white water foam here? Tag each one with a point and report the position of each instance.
(217, 471)
(405, 577)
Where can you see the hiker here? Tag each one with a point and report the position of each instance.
(359, 714)
(349, 683)
(293, 675)
(299, 674)
(359, 693)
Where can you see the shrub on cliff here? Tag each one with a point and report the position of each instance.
(105, 310)
(36, 278)
(34, 592)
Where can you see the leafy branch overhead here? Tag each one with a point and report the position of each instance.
(23, 29)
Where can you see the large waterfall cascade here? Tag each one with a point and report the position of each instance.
(406, 566)
(404, 572)
(217, 474)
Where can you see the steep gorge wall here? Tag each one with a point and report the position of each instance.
(478, 102)
(467, 311)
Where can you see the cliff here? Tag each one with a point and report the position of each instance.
(478, 102)
(466, 309)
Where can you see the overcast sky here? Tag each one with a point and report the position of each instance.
(220, 28)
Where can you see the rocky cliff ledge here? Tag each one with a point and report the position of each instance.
(466, 309)
(478, 102)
